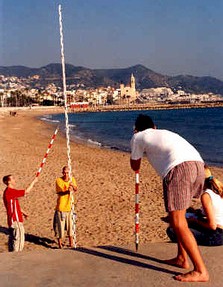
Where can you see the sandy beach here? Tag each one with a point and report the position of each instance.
(105, 197)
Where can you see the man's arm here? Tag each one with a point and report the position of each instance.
(135, 164)
(208, 209)
(62, 193)
(73, 185)
(31, 185)
(136, 151)
(210, 222)
(24, 214)
(71, 188)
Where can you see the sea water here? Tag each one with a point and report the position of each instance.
(203, 128)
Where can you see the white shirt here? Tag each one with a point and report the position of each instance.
(217, 203)
(164, 149)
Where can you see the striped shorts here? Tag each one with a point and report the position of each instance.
(182, 183)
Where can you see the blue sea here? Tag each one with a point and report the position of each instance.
(203, 128)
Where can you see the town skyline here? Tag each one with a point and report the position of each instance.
(20, 92)
(170, 38)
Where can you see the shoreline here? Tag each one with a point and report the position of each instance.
(92, 138)
(155, 106)
(110, 108)
(105, 197)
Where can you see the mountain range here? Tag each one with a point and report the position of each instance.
(93, 78)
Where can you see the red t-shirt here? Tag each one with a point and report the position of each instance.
(10, 198)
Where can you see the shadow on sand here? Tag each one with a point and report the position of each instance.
(43, 241)
(102, 252)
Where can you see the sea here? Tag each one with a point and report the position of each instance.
(202, 127)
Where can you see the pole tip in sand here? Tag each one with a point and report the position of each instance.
(137, 247)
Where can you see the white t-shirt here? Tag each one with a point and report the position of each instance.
(217, 203)
(164, 149)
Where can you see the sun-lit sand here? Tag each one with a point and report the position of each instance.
(105, 197)
(105, 210)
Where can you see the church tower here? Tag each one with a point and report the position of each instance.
(128, 93)
(133, 83)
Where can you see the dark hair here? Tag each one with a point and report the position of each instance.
(64, 167)
(143, 122)
(6, 179)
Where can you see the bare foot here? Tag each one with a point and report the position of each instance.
(193, 276)
(178, 262)
(60, 245)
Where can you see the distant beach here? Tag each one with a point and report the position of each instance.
(149, 106)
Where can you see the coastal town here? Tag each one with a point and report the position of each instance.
(25, 92)
(111, 116)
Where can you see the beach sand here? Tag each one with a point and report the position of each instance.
(106, 186)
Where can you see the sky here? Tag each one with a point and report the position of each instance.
(171, 37)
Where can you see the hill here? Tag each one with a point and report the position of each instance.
(92, 78)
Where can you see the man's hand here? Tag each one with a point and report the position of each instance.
(135, 164)
(31, 185)
(25, 214)
(72, 187)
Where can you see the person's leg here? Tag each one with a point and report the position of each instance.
(18, 236)
(171, 234)
(179, 186)
(11, 240)
(60, 243)
(71, 241)
(188, 245)
(58, 226)
(22, 236)
(181, 260)
(203, 237)
(61, 231)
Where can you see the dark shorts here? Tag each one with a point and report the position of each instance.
(182, 183)
(203, 236)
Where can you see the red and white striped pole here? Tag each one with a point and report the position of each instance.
(47, 152)
(137, 209)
